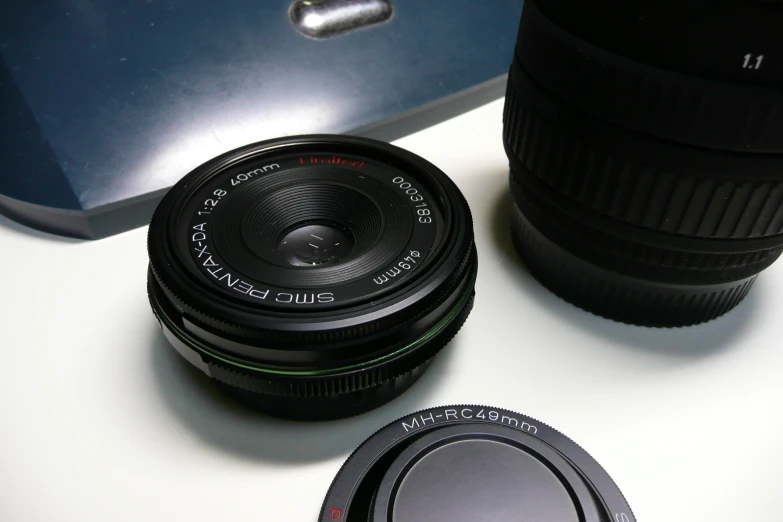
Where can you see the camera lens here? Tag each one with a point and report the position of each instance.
(646, 155)
(472, 463)
(312, 277)
(312, 244)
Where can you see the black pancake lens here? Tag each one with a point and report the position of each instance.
(647, 180)
(312, 277)
(313, 245)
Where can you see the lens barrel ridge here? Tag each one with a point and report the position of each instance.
(625, 280)
(236, 304)
(632, 251)
(671, 105)
(725, 40)
(637, 179)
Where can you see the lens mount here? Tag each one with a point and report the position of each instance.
(314, 276)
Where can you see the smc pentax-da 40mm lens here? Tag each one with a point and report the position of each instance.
(312, 277)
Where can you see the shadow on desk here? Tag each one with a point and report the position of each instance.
(196, 401)
(18, 228)
(689, 342)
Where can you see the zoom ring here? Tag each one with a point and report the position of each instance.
(665, 104)
(557, 144)
(631, 257)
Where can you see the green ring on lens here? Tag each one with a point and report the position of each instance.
(185, 337)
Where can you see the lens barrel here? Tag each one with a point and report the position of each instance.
(643, 194)
(312, 277)
(472, 462)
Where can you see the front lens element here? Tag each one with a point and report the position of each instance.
(308, 245)
(313, 277)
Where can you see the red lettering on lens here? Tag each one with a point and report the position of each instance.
(334, 160)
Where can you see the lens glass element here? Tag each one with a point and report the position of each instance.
(312, 245)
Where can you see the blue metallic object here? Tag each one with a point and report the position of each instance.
(104, 104)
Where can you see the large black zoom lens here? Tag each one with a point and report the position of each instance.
(312, 277)
(646, 151)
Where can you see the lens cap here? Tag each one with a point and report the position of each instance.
(471, 463)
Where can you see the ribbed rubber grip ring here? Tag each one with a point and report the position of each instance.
(640, 180)
(658, 102)
(634, 257)
(344, 383)
(331, 396)
(618, 297)
(640, 256)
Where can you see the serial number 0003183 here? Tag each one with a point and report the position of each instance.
(216, 196)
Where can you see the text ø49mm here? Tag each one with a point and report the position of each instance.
(312, 277)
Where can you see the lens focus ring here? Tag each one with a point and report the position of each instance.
(637, 254)
(650, 183)
(614, 296)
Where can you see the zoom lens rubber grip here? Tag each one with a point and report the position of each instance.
(640, 255)
(619, 278)
(635, 179)
(662, 103)
(616, 296)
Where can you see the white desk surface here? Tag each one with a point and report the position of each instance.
(100, 420)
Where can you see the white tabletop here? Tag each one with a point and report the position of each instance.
(102, 421)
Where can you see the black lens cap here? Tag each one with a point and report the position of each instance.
(470, 463)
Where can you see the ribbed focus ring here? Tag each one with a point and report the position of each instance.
(617, 297)
(662, 103)
(642, 181)
(631, 257)
(311, 387)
